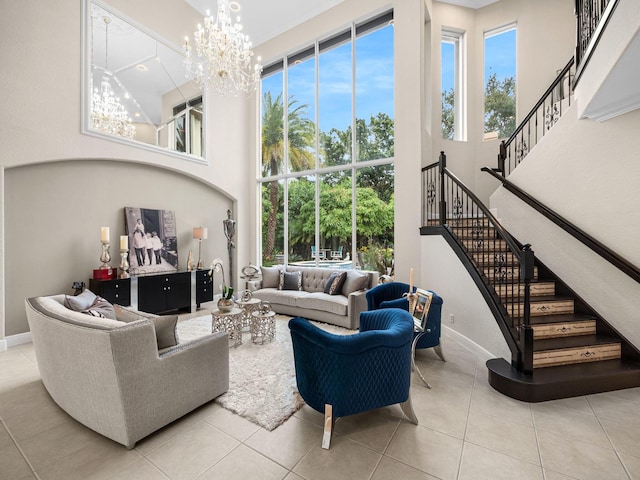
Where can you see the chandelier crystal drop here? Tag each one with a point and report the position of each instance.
(108, 115)
(221, 57)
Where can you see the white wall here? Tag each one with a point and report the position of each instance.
(545, 40)
(40, 46)
(444, 274)
(588, 173)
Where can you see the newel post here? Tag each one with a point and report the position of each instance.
(502, 156)
(443, 202)
(526, 275)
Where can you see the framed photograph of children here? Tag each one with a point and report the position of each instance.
(421, 308)
(152, 240)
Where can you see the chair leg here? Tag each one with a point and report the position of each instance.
(407, 409)
(328, 426)
(439, 352)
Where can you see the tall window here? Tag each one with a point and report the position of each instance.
(452, 85)
(327, 192)
(500, 82)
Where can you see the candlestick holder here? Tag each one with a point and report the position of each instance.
(124, 263)
(105, 258)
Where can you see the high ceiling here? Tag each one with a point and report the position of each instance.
(265, 19)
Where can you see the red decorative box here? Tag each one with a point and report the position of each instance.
(105, 273)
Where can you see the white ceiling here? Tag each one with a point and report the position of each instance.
(265, 19)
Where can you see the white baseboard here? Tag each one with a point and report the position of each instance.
(470, 345)
(15, 340)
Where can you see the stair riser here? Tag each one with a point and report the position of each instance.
(559, 330)
(508, 291)
(542, 308)
(569, 356)
(506, 273)
(475, 233)
(507, 259)
(485, 245)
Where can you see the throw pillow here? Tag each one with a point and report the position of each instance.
(290, 281)
(101, 308)
(80, 302)
(335, 282)
(355, 281)
(165, 325)
(270, 277)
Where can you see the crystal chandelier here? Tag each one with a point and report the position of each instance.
(108, 115)
(221, 56)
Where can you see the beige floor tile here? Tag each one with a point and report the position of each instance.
(479, 463)
(582, 460)
(632, 464)
(193, 452)
(628, 394)
(615, 408)
(230, 423)
(5, 438)
(12, 464)
(56, 442)
(577, 405)
(551, 475)
(372, 429)
(166, 433)
(36, 419)
(141, 469)
(98, 460)
(288, 443)
(390, 469)
(623, 438)
(344, 460)
(244, 463)
(425, 449)
(310, 415)
(494, 403)
(293, 476)
(586, 428)
(504, 436)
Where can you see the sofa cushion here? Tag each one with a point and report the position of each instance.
(335, 282)
(336, 304)
(270, 277)
(290, 280)
(355, 281)
(165, 325)
(279, 297)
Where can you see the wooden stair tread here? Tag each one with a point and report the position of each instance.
(541, 299)
(561, 318)
(572, 342)
(564, 381)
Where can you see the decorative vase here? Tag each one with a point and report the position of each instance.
(225, 305)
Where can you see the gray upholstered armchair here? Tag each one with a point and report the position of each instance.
(110, 376)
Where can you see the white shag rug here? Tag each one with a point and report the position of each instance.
(262, 378)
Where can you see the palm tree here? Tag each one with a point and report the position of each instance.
(301, 140)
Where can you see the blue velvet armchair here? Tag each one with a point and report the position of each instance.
(341, 375)
(390, 295)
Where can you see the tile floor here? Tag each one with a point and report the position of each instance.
(466, 431)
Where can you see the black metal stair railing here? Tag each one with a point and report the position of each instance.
(542, 117)
(591, 19)
(499, 264)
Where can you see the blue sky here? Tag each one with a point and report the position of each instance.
(374, 81)
(500, 55)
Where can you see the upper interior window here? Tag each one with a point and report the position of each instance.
(500, 82)
(452, 85)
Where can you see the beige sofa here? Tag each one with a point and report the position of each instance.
(311, 302)
(110, 376)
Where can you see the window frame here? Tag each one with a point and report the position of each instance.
(457, 38)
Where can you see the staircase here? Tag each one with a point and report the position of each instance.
(560, 346)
